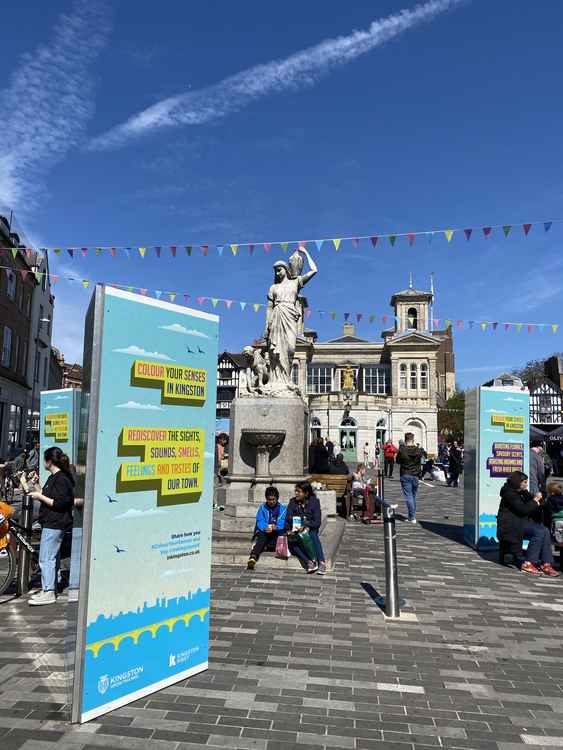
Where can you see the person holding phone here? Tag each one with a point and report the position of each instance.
(55, 517)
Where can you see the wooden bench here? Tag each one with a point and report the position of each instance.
(340, 483)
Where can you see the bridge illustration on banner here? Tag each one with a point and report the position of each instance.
(116, 640)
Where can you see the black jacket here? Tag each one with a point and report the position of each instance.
(60, 488)
(310, 513)
(409, 458)
(516, 506)
(455, 461)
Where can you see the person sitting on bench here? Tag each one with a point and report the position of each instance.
(270, 523)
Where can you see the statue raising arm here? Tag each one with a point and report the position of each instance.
(312, 268)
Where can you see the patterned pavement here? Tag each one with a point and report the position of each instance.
(308, 662)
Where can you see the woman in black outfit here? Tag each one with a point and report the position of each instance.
(516, 522)
(55, 517)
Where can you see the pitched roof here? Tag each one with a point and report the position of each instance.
(348, 340)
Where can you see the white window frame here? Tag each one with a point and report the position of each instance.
(314, 379)
(423, 375)
(378, 376)
(413, 376)
(403, 376)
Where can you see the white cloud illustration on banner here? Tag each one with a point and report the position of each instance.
(136, 513)
(137, 351)
(179, 328)
(137, 405)
(61, 398)
(170, 573)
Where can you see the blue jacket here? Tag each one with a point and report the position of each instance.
(263, 517)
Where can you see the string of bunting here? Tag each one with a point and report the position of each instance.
(229, 304)
(285, 245)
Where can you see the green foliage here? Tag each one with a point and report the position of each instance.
(533, 369)
(451, 416)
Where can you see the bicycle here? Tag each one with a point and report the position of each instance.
(9, 556)
(9, 483)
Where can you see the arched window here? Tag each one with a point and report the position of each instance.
(315, 428)
(295, 373)
(414, 377)
(412, 315)
(423, 377)
(348, 422)
(403, 377)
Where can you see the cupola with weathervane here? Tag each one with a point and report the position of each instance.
(412, 309)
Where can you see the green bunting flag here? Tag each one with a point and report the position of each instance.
(188, 249)
(56, 250)
(506, 229)
(214, 301)
(333, 314)
(392, 239)
(284, 246)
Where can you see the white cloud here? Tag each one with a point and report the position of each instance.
(179, 328)
(136, 405)
(137, 351)
(51, 407)
(136, 513)
(49, 100)
(61, 398)
(299, 70)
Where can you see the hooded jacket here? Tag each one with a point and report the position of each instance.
(266, 515)
(516, 506)
(409, 458)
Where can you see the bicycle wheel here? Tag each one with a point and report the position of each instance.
(7, 568)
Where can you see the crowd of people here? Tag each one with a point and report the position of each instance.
(290, 529)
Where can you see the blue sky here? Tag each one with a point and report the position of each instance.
(131, 127)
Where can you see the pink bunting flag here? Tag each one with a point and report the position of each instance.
(200, 300)
(267, 246)
(113, 252)
(84, 251)
(526, 228)
(228, 303)
(144, 292)
(173, 250)
(459, 323)
(531, 327)
(487, 231)
(374, 240)
(204, 249)
(506, 326)
(468, 233)
(436, 322)
(308, 312)
(54, 278)
(29, 252)
(411, 238)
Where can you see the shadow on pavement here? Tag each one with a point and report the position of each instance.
(447, 530)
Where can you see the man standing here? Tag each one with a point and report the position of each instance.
(537, 468)
(389, 453)
(455, 465)
(409, 457)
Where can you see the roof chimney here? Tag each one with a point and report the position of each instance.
(349, 329)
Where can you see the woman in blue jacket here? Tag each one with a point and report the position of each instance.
(270, 523)
(304, 514)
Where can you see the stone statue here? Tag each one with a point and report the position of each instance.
(256, 370)
(282, 320)
(348, 379)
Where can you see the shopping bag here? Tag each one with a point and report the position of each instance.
(282, 549)
(307, 544)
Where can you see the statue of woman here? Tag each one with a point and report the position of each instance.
(282, 318)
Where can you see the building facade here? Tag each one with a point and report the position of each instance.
(72, 375)
(39, 359)
(362, 392)
(17, 286)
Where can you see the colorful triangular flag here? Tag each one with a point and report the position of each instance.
(204, 249)
(506, 229)
(214, 301)
(336, 243)
(256, 306)
(319, 244)
(411, 238)
(526, 228)
(547, 225)
(200, 300)
(228, 303)
(435, 322)
(355, 241)
(449, 233)
(267, 246)
(506, 326)
(554, 327)
(284, 246)
(251, 249)
(113, 252)
(157, 293)
(530, 327)
(346, 315)
(392, 239)
(234, 249)
(99, 251)
(308, 312)
(220, 249)
(495, 326)
(142, 251)
(173, 250)
(186, 298)
(430, 236)
(54, 278)
(70, 251)
(144, 291)
(127, 252)
(242, 306)
(359, 316)
(371, 318)
(518, 327)
(487, 231)
(374, 240)
(158, 251)
(85, 283)
(56, 250)
(188, 249)
(171, 296)
(483, 326)
(468, 233)
(84, 251)
(333, 314)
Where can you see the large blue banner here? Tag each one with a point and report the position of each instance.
(503, 435)
(146, 559)
(59, 412)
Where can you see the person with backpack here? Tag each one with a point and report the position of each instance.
(55, 517)
(302, 524)
(270, 524)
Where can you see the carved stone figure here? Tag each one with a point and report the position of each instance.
(282, 320)
(348, 383)
(256, 370)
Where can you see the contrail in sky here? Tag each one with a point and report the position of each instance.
(297, 71)
(48, 101)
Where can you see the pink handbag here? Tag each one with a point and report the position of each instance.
(282, 550)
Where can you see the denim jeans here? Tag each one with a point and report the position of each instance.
(49, 558)
(75, 552)
(314, 534)
(409, 485)
(539, 548)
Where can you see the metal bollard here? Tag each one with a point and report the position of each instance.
(392, 602)
(26, 520)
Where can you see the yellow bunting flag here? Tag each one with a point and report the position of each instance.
(449, 234)
(142, 251)
(483, 326)
(14, 252)
(85, 283)
(336, 243)
(172, 296)
(554, 327)
(99, 251)
(234, 249)
(256, 306)
(214, 301)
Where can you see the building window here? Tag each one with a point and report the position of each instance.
(7, 347)
(412, 315)
(414, 377)
(295, 374)
(14, 425)
(376, 380)
(423, 377)
(11, 284)
(403, 377)
(319, 379)
(315, 428)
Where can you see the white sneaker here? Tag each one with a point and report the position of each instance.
(412, 520)
(43, 597)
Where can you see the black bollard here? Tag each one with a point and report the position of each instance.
(26, 520)
(392, 602)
